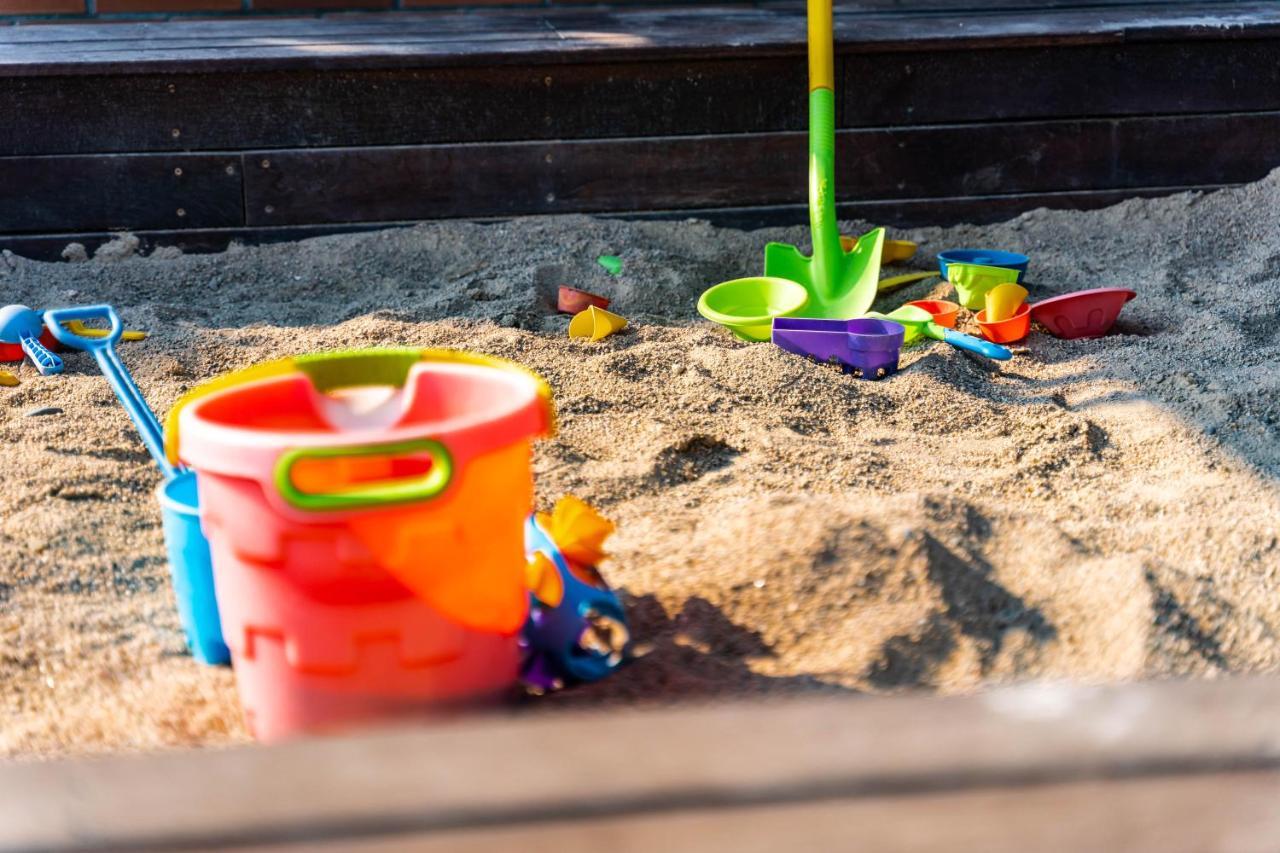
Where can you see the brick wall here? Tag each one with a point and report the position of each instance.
(67, 11)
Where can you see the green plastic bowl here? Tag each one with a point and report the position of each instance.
(747, 306)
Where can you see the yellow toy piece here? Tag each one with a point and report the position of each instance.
(79, 328)
(891, 252)
(577, 529)
(885, 285)
(1004, 300)
(595, 323)
(543, 580)
(8, 378)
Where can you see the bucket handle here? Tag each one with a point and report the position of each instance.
(428, 486)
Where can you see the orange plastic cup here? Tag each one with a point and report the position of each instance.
(1007, 331)
(365, 513)
(944, 312)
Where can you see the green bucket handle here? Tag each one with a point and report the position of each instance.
(423, 488)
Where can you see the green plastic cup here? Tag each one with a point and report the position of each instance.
(747, 306)
(972, 281)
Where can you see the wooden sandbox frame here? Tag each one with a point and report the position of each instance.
(1174, 766)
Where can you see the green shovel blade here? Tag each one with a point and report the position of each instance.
(848, 288)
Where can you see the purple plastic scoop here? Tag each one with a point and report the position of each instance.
(866, 347)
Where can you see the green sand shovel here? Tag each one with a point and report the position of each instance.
(919, 323)
(841, 284)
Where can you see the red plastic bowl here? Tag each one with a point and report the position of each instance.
(572, 300)
(944, 312)
(1083, 314)
(14, 353)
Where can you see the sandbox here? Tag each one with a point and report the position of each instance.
(1096, 510)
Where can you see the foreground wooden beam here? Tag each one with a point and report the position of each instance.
(1167, 766)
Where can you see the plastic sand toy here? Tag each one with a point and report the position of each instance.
(748, 306)
(868, 348)
(571, 300)
(973, 282)
(12, 350)
(985, 258)
(1083, 314)
(888, 285)
(366, 514)
(919, 323)
(83, 331)
(1010, 330)
(944, 313)
(611, 263)
(893, 251)
(577, 630)
(1003, 301)
(841, 283)
(8, 378)
(1007, 317)
(22, 331)
(595, 324)
(189, 563)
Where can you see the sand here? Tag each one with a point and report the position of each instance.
(1093, 510)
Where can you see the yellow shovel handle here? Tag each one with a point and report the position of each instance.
(897, 281)
(822, 74)
(78, 327)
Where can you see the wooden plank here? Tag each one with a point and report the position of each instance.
(493, 774)
(625, 35)
(119, 191)
(301, 109)
(425, 182)
(356, 108)
(458, 40)
(905, 214)
(1067, 81)
(445, 20)
(1219, 812)
(451, 20)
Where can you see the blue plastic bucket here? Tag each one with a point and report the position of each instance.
(983, 257)
(191, 569)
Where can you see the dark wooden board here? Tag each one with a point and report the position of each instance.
(396, 107)
(1066, 81)
(119, 191)
(434, 39)
(426, 182)
(1158, 766)
(291, 109)
(276, 26)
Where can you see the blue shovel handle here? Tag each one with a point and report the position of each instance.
(104, 352)
(46, 362)
(968, 342)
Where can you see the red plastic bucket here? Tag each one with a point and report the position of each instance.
(365, 513)
(13, 352)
